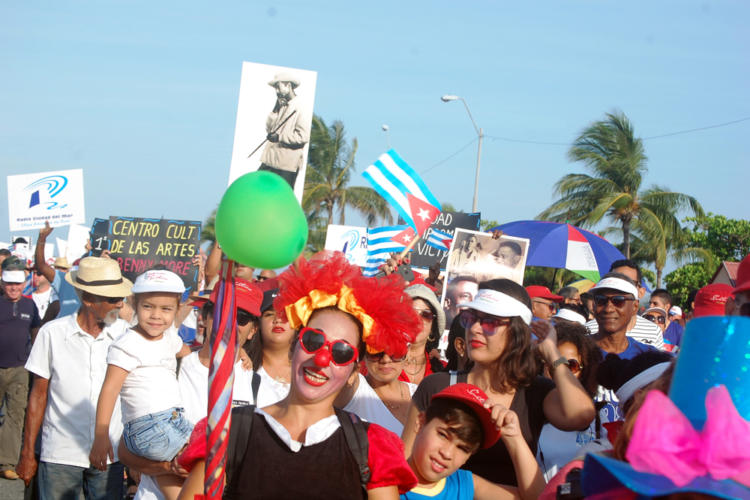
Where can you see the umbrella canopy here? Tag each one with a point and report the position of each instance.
(563, 246)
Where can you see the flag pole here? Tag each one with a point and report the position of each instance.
(408, 247)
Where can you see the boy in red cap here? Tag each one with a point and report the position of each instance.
(459, 421)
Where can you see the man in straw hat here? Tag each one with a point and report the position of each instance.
(66, 294)
(288, 130)
(69, 361)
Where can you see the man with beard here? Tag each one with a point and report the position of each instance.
(69, 361)
(288, 131)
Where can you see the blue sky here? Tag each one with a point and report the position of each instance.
(143, 95)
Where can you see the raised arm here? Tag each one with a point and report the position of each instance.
(102, 447)
(39, 262)
(27, 465)
(213, 263)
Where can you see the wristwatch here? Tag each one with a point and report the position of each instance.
(559, 361)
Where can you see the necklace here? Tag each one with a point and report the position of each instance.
(402, 397)
(418, 362)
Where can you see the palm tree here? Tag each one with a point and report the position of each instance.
(208, 231)
(617, 160)
(330, 167)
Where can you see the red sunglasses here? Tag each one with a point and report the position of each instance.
(489, 324)
(574, 365)
(342, 352)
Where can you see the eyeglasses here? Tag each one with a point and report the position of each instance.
(342, 352)
(243, 317)
(375, 358)
(574, 365)
(425, 314)
(655, 318)
(617, 300)
(489, 324)
(551, 306)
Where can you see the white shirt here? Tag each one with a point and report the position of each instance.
(368, 406)
(271, 390)
(151, 384)
(75, 363)
(643, 331)
(316, 433)
(43, 299)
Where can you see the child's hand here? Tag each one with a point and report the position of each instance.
(506, 420)
(100, 450)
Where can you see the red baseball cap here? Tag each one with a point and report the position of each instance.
(474, 397)
(711, 300)
(247, 296)
(542, 292)
(743, 276)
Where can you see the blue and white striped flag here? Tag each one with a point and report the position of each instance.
(403, 188)
(381, 243)
(439, 239)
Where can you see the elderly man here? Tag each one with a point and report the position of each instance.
(69, 361)
(288, 130)
(19, 321)
(543, 301)
(739, 305)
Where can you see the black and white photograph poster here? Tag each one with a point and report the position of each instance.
(274, 116)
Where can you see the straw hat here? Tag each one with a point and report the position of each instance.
(284, 77)
(62, 263)
(99, 276)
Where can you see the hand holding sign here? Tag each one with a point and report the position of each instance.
(259, 222)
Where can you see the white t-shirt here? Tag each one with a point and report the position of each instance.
(75, 363)
(271, 390)
(643, 331)
(368, 406)
(43, 299)
(151, 385)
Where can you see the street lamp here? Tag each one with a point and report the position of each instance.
(448, 98)
(387, 134)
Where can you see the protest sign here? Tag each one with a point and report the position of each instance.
(352, 240)
(56, 197)
(76, 245)
(274, 116)
(139, 244)
(423, 255)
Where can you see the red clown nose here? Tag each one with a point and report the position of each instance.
(323, 357)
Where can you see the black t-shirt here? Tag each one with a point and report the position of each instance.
(16, 321)
(495, 464)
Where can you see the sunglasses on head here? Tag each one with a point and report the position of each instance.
(379, 355)
(575, 365)
(655, 318)
(342, 352)
(425, 314)
(489, 324)
(617, 300)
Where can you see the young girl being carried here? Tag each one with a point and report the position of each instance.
(142, 372)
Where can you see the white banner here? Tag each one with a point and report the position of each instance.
(77, 238)
(274, 116)
(352, 240)
(56, 197)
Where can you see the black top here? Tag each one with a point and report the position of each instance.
(270, 470)
(16, 321)
(494, 464)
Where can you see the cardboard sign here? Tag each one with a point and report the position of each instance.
(56, 197)
(139, 244)
(423, 255)
(352, 240)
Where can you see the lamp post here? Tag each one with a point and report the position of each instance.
(387, 134)
(448, 98)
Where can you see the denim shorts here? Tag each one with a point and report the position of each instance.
(158, 436)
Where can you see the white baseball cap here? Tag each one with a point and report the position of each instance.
(615, 283)
(14, 276)
(158, 280)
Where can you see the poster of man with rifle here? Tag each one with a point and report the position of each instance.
(274, 116)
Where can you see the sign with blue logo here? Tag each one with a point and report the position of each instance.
(56, 197)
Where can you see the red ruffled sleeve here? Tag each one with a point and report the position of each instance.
(196, 447)
(385, 456)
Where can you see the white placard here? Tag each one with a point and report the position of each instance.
(261, 112)
(352, 240)
(62, 247)
(77, 238)
(56, 197)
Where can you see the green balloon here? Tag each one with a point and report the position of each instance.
(260, 223)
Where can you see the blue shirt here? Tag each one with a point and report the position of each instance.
(673, 335)
(16, 321)
(634, 349)
(457, 486)
(67, 295)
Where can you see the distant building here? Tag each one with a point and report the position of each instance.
(726, 273)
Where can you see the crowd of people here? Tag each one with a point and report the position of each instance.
(340, 389)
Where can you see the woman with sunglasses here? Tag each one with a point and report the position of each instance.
(421, 361)
(498, 335)
(296, 447)
(557, 447)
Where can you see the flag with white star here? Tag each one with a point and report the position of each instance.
(402, 187)
(382, 242)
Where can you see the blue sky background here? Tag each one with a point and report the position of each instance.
(143, 95)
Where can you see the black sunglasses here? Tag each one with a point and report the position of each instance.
(617, 300)
(425, 314)
(655, 318)
(243, 317)
(379, 355)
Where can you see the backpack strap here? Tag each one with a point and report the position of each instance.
(239, 435)
(255, 384)
(355, 432)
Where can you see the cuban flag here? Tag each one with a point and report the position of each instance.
(382, 242)
(439, 239)
(403, 188)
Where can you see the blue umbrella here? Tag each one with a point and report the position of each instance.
(564, 246)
